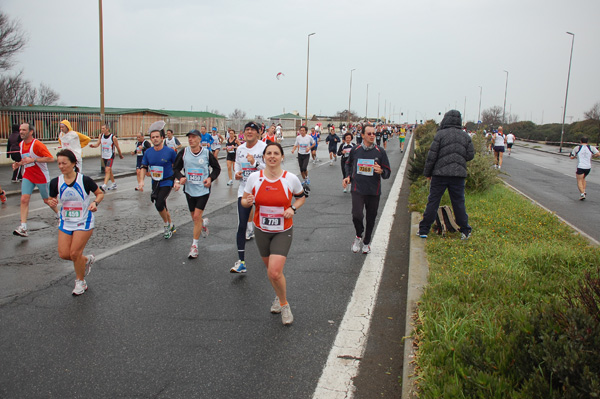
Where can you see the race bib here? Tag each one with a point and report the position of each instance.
(271, 218)
(106, 151)
(347, 150)
(27, 165)
(230, 149)
(156, 173)
(247, 169)
(304, 148)
(195, 176)
(139, 150)
(365, 167)
(72, 210)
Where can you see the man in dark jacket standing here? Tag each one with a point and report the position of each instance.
(446, 168)
(12, 147)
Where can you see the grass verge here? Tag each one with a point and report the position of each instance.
(496, 302)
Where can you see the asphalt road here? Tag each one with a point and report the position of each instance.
(550, 180)
(156, 324)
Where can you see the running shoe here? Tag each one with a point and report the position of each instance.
(167, 233)
(104, 188)
(356, 245)
(465, 236)
(422, 235)
(239, 267)
(276, 306)
(20, 231)
(345, 189)
(366, 249)
(287, 317)
(230, 182)
(88, 265)
(80, 287)
(114, 186)
(582, 197)
(3, 197)
(307, 181)
(249, 235)
(204, 231)
(331, 163)
(193, 252)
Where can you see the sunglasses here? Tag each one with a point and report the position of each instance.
(369, 134)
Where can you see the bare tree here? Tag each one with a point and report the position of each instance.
(237, 114)
(594, 114)
(343, 116)
(15, 90)
(492, 116)
(12, 40)
(46, 96)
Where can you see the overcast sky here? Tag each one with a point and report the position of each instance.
(420, 56)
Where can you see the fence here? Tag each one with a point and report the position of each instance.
(122, 125)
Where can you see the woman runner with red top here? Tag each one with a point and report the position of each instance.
(271, 191)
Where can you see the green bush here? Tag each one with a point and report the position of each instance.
(424, 135)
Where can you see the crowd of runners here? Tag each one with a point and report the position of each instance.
(268, 195)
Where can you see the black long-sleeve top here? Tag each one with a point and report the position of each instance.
(358, 165)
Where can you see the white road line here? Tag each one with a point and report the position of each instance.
(337, 379)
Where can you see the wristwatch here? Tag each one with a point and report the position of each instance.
(293, 208)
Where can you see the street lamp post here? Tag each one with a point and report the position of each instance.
(101, 64)
(367, 105)
(350, 96)
(505, 90)
(479, 112)
(307, 59)
(378, 100)
(562, 131)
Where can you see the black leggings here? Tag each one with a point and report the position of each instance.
(343, 164)
(243, 216)
(371, 204)
(159, 196)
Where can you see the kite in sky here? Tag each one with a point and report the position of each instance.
(279, 75)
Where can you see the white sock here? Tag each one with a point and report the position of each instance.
(195, 242)
(250, 227)
(24, 225)
(167, 224)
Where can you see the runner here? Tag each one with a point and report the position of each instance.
(76, 215)
(196, 182)
(385, 132)
(366, 165)
(141, 145)
(271, 191)
(402, 138)
(158, 163)
(584, 153)
(344, 152)
(359, 131)
(2, 195)
(378, 135)
(72, 140)
(270, 135)
(215, 147)
(34, 159)
(316, 136)
(333, 141)
(279, 133)
(304, 145)
(510, 139)
(207, 139)
(108, 143)
(232, 145)
(172, 142)
(499, 139)
(248, 159)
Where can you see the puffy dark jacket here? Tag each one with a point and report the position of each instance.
(451, 149)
